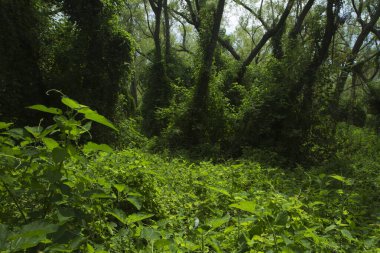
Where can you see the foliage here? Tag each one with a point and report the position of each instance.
(20, 46)
(74, 46)
(62, 194)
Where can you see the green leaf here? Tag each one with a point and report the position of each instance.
(119, 215)
(286, 240)
(340, 178)
(218, 222)
(64, 216)
(50, 143)
(49, 130)
(31, 235)
(94, 116)
(191, 246)
(119, 187)
(215, 245)
(329, 228)
(72, 103)
(90, 249)
(18, 133)
(248, 206)
(5, 125)
(222, 191)
(281, 218)
(35, 131)
(102, 196)
(43, 108)
(92, 147)
(135, 201)
(163, 244)
(150, 234)
(138, 217)
(59, 155)
(346, 234)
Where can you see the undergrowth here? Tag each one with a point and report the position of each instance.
(61, 194)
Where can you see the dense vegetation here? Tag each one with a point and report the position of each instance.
(256, 132)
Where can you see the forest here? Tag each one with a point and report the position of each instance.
(223, 126)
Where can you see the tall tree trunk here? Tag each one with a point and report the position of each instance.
(198, 107)
(167, 32)
(308, 78)
(157, 94)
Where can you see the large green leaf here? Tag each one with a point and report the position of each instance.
(43, 108)
(5, 125)
(35, 131)
(72, 103)
(248, 206)
(119, 215)
(92, 147)
(119, 187)
(50, 143)
(341, 179)
(94, 116)
(138, 217)
(150, 234)
(31, 235)
(218, 222)
(136, 201)
(18, 133)
(220, 190)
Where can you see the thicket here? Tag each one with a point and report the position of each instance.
(173, 72)
(266, 138)
(61, 194)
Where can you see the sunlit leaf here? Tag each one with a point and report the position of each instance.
(90, 249)
(94, 116)
(220, 190)
(218, 222)
(93, 147)
(138, 217)
(72, 103)
(50, 143)
(43, 108)
(248, 206)
(119, 187)
(341, 179)
(5, 125)
(35, 131)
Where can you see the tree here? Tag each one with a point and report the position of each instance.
(157, 94)
(21, 80)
